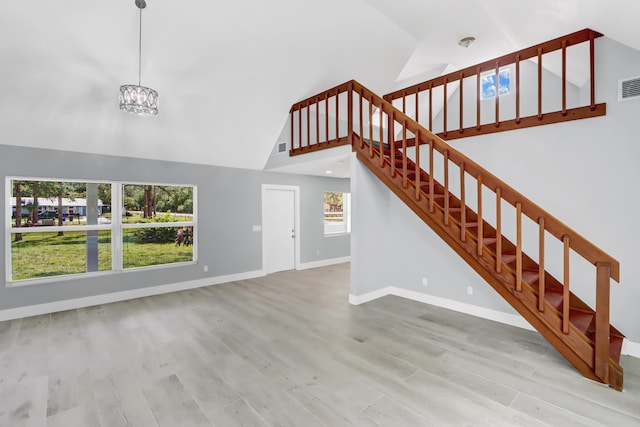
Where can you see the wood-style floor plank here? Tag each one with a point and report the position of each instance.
(288, 350)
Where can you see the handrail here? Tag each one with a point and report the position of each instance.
(514, 58)
(606, 266)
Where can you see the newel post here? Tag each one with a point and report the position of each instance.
(350, 113)
(603, 273)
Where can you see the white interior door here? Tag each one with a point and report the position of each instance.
(278, 229)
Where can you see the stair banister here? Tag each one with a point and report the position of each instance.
(606, 267)
(554, 226)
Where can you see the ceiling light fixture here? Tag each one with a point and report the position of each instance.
(466, 41)
(137, 99)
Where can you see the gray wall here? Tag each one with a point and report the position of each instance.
(583, 172)
(226, 240)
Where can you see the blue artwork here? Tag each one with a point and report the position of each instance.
(488, 83)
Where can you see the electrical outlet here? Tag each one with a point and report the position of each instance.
(425, 282)
(318, 253)
(206, 268)
(469, 290)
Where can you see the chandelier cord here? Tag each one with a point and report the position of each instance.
(140, 49)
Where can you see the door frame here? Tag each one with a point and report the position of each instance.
(296, 220)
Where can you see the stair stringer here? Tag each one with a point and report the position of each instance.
(574, 346)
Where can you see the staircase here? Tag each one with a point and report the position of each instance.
(583, 335)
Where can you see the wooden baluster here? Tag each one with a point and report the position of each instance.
(541, 284)
(382, 139)
(480, 221)
(603, 273)
(326, 116)
(461, 130)
(498, 230)
(497, 94)
(592, 70)
(564, 77)
(417, 106)
(431, 181)
(566, 297)
(418, 168)
(300, 125)
(430, 107)
(308, 123)
(446, 187)
(371, 127)
(350, 114)
(539, 83)
(518, 246)
(292, 132)
(404, 102)
(392, 144)
(405, 182)
(518, 89)
(317, 121)
(463, 206)
(444, 120)
(478, 85)
(337, 115)
(361, 124)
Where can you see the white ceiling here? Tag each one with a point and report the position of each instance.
(228, 72)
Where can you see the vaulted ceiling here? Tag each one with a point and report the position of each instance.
(227, 72)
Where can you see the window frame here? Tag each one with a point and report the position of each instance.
(116, 228)
(492, 73)
(346, 213)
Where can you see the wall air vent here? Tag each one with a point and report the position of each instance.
(282, 147)
(629, 88)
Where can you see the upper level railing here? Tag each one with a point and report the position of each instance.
(351, 114)
(480, 99)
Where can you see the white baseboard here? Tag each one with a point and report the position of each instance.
(52, 307)
(629, 348)
(370, 296)
(323, 263)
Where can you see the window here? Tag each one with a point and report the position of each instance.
(488, 83)
(61, 228)
(337, 212)
(157, 224)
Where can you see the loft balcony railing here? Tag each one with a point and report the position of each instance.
(452, 105)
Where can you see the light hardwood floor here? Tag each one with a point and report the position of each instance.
(288, 350)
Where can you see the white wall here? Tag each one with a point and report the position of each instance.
(583, 172)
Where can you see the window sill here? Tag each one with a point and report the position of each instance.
(347, 233)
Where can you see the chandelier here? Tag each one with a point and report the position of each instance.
(137, 99)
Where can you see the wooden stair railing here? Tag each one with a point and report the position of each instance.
(407, 165)
(470, 111)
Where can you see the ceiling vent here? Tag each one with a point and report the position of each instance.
(629, 88)
(282, 147)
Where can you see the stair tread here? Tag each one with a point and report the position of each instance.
(489, 240)
(425, 188)
(553, 298)
(508, 258)
(581, 319)
(530, 276)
